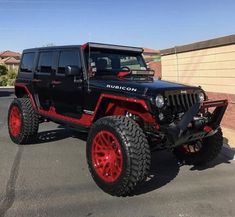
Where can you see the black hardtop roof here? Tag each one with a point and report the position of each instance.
(52, 48)
(89, 44)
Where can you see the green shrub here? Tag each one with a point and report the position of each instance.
(8, 79)
(3, 70)
(3, 80)
(10, 82)
(12, 74)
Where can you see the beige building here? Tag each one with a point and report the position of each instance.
(210, 64)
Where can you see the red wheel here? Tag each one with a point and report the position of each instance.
(15, 121)
(118, 155)
(107, 158)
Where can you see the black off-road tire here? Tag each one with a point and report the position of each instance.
(211, 147)
(29, 121)
(135, 152)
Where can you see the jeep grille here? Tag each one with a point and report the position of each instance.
(181, 102)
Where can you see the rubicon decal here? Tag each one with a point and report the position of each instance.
(117, 87)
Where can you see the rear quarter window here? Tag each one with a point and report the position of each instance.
(27, 62)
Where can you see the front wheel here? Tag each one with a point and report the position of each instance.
(118, 155)
(202, 151)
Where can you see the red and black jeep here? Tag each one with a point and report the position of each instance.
(109, 92)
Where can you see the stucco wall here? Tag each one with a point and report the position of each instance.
(212, 68)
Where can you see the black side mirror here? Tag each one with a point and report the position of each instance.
(73, 71)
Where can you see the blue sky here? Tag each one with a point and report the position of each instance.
(149, 23)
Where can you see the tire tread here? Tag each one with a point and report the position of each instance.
(136, 147)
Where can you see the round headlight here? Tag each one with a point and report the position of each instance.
(201, 97)
(159, 101)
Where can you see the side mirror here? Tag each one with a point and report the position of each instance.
(73, 71)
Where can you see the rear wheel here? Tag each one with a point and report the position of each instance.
(23, 121)
(202, 151)
(118, 155)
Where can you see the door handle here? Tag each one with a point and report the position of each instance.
(54, 82)
(37, 80)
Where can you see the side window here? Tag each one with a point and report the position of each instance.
(45, 62)
(68, 58)
(27, 62)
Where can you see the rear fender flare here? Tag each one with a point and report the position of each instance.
(22, 90)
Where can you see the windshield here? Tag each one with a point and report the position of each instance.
(111, 62)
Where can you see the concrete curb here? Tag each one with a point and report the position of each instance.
(6, 87)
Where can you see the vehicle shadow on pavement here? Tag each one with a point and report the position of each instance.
(52, 136)
(164, 168)
(58, 134)
(227, 154)
(221, 159)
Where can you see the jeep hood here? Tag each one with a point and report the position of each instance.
(146, 87)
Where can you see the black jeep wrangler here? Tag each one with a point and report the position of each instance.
(109, 92)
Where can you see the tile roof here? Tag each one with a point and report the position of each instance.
(151, 51)
(10, 60)
(9, 53)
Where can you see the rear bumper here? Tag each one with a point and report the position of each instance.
(185, 131)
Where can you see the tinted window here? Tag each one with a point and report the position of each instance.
(27, 62)
(45, 62)
(68, 58)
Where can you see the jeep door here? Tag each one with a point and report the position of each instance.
(43, 77)
(67, 89)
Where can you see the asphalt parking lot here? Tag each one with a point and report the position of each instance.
(50, 178)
